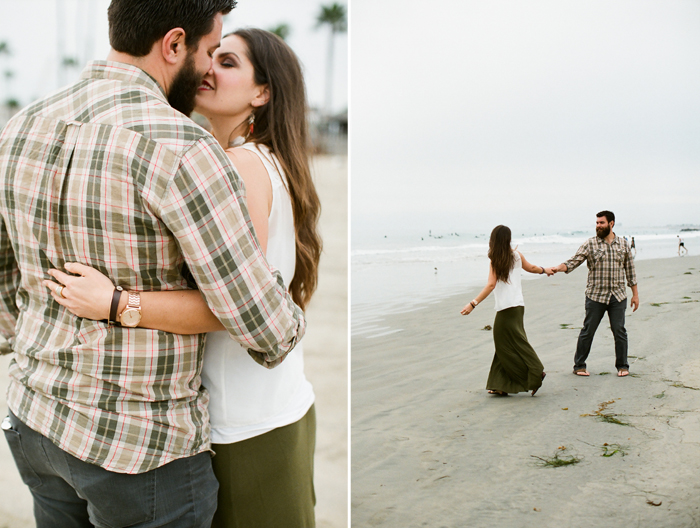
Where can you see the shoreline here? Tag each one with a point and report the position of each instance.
(430, 447)
(369, 315)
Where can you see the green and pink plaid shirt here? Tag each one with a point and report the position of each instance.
(610, 266)
(106, 173)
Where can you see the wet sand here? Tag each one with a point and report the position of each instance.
(431, 448)
(325, 348)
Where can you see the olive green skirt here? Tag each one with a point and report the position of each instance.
(515, 366)
(267, 481)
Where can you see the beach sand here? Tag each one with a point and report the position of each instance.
(325, 349)
(431, 448)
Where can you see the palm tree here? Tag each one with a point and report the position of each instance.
(8, 74)
(70, 62)
(335, 17)
(281, 30)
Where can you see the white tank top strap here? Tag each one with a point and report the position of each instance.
(268, 160)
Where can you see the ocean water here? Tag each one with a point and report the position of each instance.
(397, 273)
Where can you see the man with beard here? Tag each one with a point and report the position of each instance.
(610, 263)
(108, 423)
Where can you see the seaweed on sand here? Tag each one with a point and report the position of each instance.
(612, 449)
(606, 417)
(558, 460)
(611, 418)
(680, 385)
(567, 326)
(609, 450)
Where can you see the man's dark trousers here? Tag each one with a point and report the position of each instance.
(70, 493)
(594, 314)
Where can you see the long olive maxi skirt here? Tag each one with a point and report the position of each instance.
(515, 367)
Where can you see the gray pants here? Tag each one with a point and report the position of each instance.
(70, 493)
(594, 314)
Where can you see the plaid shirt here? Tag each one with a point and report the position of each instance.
(608, 264)
(106, 173)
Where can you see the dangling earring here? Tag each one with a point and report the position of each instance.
(251, 122)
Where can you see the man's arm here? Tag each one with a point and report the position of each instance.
(204, 207)
(9, 283)
(634, 303)
(574, 262)
(631, 278)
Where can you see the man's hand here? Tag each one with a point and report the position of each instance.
(634, 303)
(550, 271)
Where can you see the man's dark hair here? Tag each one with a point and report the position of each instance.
(609, 216)
(135, 25)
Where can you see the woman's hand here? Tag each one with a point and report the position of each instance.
(467, 309)
(86, 293)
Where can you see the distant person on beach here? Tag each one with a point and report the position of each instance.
(681, 245)
(609, 264)
(515, 366)
(633, 247)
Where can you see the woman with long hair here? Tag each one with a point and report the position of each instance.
(515, 366)
(262, 421)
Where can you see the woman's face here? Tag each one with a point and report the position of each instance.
(229, 88)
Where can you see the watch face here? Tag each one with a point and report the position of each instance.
(130, 317)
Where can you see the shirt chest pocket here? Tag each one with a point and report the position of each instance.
(618, 256)
(597, 256)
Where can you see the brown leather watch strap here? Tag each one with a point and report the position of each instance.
(115, 304)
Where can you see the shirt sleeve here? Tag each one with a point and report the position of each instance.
(9, 283)
(205, 209)
(581, 254)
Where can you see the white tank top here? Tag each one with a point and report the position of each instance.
(246, 399)
(509, 294)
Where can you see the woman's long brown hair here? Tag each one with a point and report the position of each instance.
(500, 253)
(281, 125)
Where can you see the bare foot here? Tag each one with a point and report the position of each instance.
(581, 372)
(622, 373)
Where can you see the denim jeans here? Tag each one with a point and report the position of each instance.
(70, 493)
(594, 314)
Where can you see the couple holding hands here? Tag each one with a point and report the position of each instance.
(516, 367)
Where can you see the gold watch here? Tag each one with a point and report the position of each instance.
(131, 316)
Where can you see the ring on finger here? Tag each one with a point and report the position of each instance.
(59, 291)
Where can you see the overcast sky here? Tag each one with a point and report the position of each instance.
(536, 113)
(30, 28)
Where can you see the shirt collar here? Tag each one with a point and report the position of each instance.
(615, 240)
(119, 71)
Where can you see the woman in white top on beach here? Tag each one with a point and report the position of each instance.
(515, 366)
(263, 421)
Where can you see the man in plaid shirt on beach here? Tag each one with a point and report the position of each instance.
(610, 267)
(108, 424)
